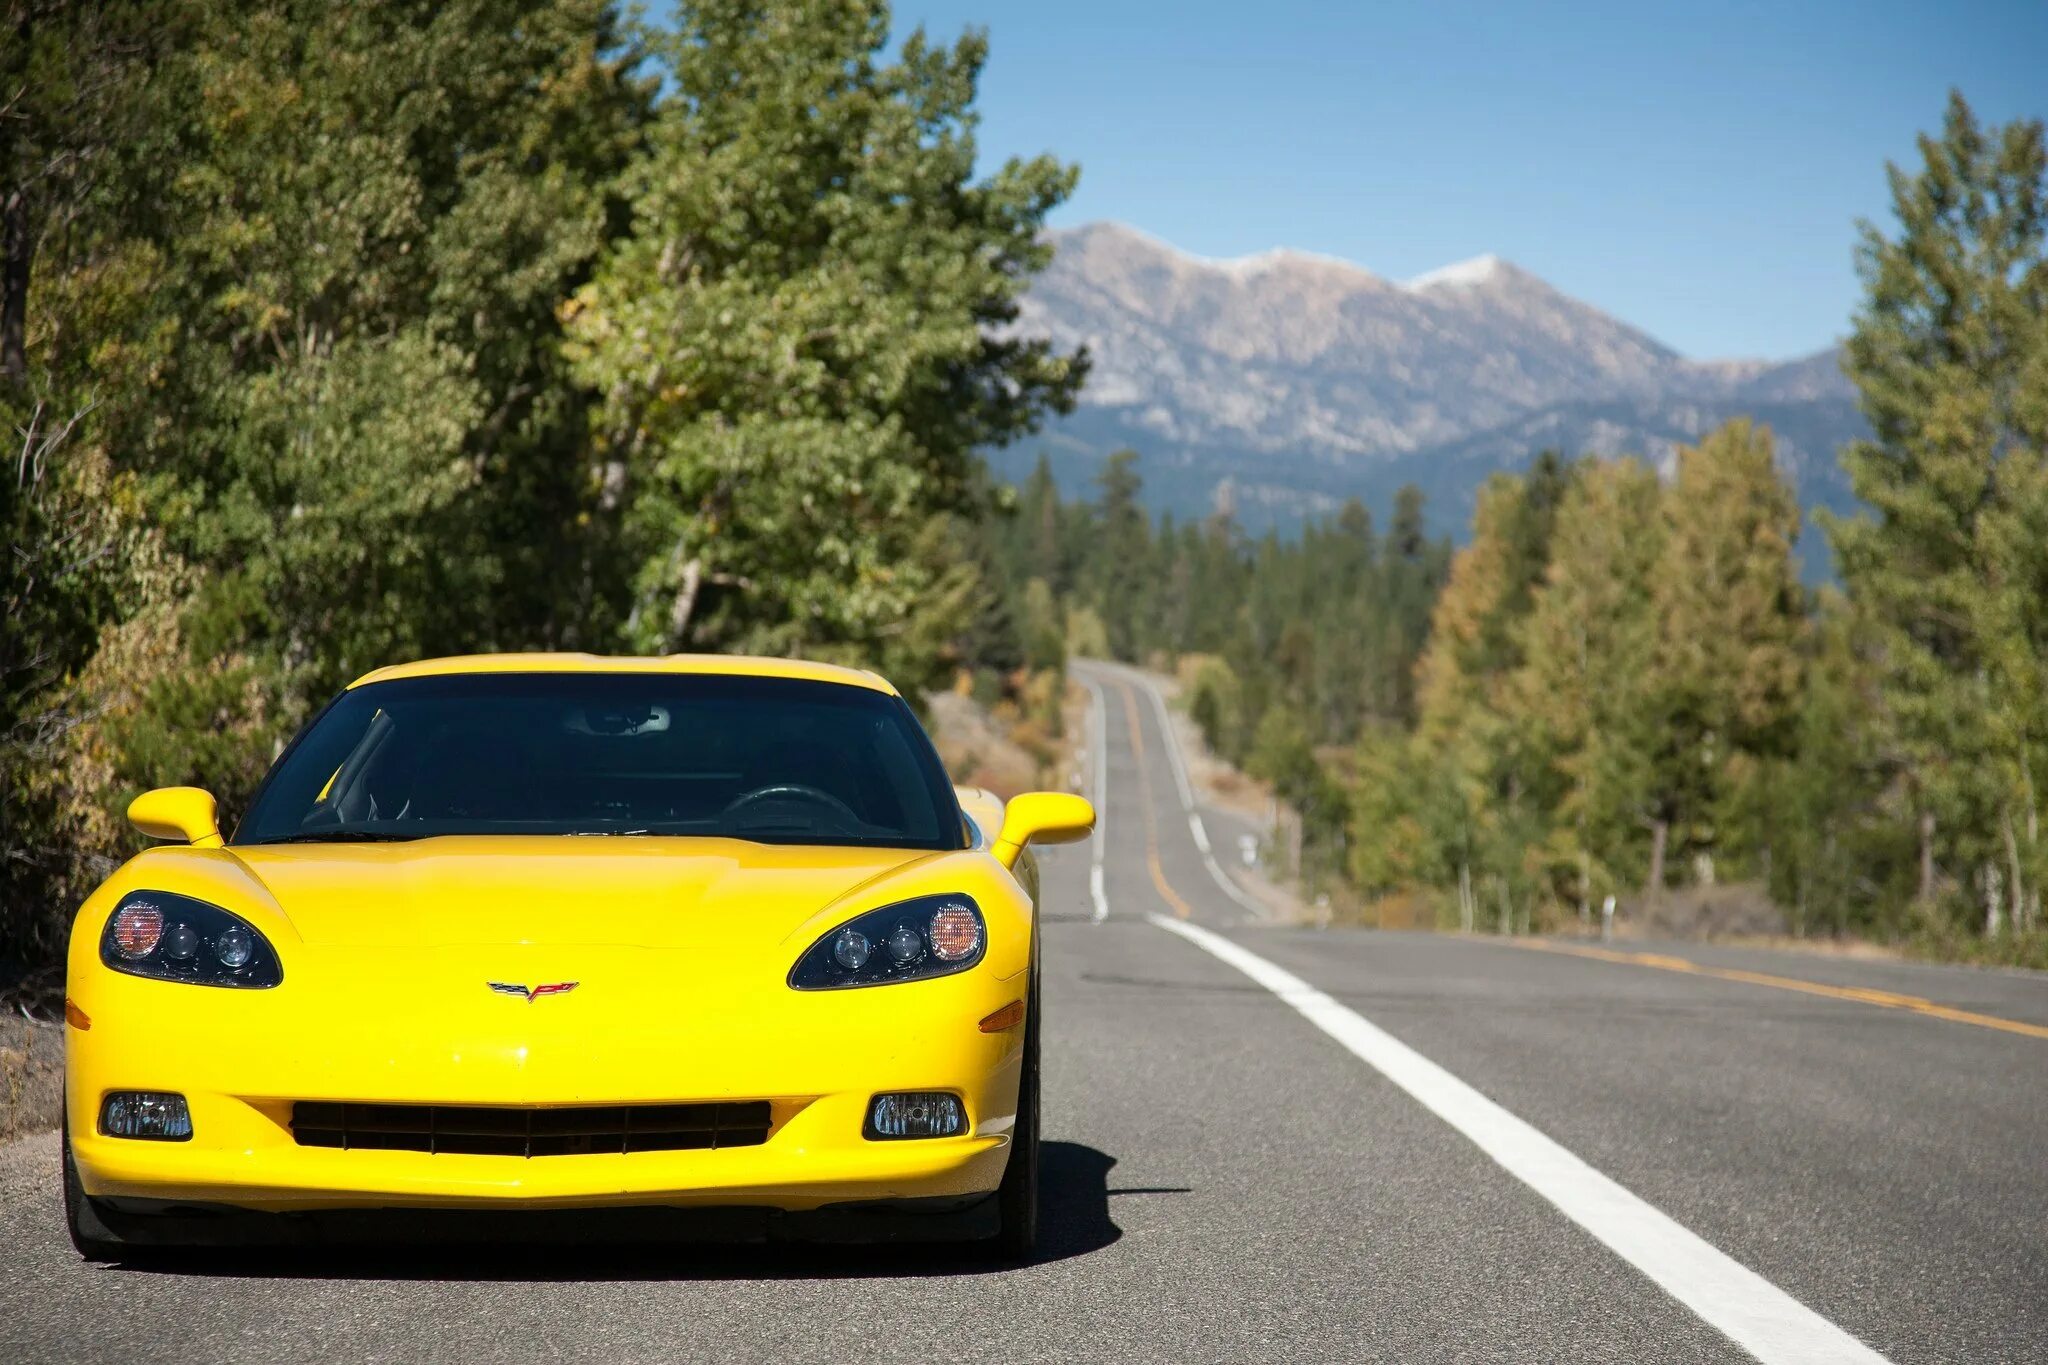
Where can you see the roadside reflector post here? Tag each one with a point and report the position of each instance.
(1607, 919)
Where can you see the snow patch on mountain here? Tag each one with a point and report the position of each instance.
(1461, 274)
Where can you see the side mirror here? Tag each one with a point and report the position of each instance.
(1046, 817)
(183, 814)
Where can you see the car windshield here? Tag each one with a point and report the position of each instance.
(775, 760)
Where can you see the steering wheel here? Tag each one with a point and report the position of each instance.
(793, 790)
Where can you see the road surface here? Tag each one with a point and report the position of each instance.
(1272, 1143)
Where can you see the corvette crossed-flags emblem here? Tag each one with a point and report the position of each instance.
(532, 993)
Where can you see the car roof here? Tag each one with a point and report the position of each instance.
(725, 665)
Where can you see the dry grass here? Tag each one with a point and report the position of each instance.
(1221, 785)
(1002, 748)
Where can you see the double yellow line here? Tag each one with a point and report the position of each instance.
(1883, 999)
(1166, 892)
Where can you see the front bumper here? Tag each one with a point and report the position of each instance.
(243, 1058)
(244, 1157)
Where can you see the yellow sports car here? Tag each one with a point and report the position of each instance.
(563, 932)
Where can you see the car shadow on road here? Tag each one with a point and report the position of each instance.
(1073, 1213)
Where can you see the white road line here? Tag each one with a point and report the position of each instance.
(1751, 1311)
(1098, 745)
(1178, 763)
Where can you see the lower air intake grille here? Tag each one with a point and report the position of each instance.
(482, 1131)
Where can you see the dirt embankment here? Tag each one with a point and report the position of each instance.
(31, 1074)
(1010, 747)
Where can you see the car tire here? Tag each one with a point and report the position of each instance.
(1017, 1198)
(90, 1235)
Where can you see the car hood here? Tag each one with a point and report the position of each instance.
(649, 892)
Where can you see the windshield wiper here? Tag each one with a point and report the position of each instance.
(344, 836)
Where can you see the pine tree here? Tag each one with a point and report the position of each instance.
(1824, 800)
(1578, 702)
(1950, 357)
(1478, 788)
(1123, 538)
(1725, 679)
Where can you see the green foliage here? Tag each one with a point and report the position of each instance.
(378, 214)
(1216, 705)
(1724, 680)
(1949, 574)
(1580, 697)
(1610, 690)
(794, 343)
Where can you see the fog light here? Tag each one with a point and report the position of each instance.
(145, 1114)
(916, 1114)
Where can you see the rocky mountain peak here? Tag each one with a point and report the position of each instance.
(1298, 376)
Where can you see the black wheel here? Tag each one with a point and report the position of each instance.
(1017, 1199)
(90, 1234)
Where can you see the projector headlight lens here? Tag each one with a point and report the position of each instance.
(175, 938)
(234, 947)
(927, 937)
(906, 944)
(850, 949)
(180, 943)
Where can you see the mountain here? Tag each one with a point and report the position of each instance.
(1284, 382)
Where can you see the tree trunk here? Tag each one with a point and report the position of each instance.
(15, 249)
(1926, 856)
(2026, 910)
(2012, 860)
(1660, 835)
(685, 604)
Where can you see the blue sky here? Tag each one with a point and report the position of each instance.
(1695, 169)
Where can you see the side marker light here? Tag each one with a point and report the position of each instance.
(1004, 1019)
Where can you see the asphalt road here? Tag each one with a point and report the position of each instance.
(1353, 1146)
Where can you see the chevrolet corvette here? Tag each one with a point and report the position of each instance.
(692, 935)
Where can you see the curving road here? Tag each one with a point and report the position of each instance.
(1270, 1143)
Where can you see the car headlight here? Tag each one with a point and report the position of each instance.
(176, 938)
(909, 941)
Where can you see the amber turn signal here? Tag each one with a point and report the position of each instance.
(1008, 1017)
(75, 1016)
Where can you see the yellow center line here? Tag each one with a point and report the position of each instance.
(1861, 995)
(1166, 892)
